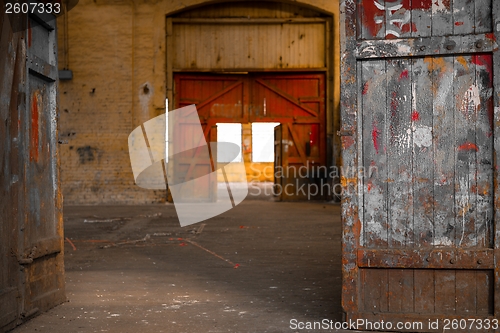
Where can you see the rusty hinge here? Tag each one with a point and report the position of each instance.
(345, 132)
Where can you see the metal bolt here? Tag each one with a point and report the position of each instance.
(450, 47)
(479, 262)
(422, 48)
(479, 44)
(452, 261)
(428, 259)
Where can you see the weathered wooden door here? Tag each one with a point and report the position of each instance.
(32, 274)
(420, 125)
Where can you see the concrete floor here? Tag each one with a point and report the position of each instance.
(251, 269)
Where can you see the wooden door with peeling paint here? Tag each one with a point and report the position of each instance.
(296, 100)
(420, 119)
(31, 250)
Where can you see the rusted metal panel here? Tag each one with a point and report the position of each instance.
(295, 100)
(32, 275)
(418, 99)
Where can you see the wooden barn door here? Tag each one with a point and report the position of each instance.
(42, 255)
(297, 101)
(31, 244)
(420, 140)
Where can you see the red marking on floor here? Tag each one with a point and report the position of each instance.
(468, 146)
(71, 243)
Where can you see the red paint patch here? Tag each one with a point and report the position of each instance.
(485, 60)
(182, 244)
(236, 266)
(468, 146)
(459, 23)
(491, 36)
(415, 116)
(365, 88)
(375, 133)
(347, 141)
(34, 128)
(404, 74)
(369, 186)
(370, 12)
(421, 4)
(409, 28)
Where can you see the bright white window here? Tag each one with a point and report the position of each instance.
(228, 133)
(263, 142)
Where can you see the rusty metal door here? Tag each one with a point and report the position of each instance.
(32, 236)
(295, 100)
(420, 116)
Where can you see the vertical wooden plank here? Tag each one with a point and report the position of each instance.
(421, 18)
(482, 13)
(399, 153)
(424, 291)
(483, 65)
(463, 17)
(444, 157)
(375, 128)
(351, 225)
(423, 160)
(376, 292)
(442, 18)
(484, 293)
(395, 290)
(496, 159)
(445, 291)
(466, 292)
(466, 104)
(401, 291)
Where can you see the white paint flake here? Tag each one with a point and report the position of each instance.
(422, 136)
(471, 101)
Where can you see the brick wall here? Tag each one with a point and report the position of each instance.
(115, 49)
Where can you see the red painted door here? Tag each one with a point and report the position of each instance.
(420, 115)
(295, 100)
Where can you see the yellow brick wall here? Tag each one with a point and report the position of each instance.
(115, 49)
